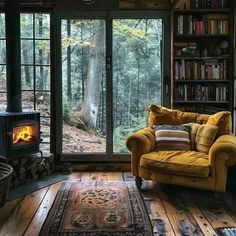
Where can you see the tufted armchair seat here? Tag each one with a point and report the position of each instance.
(183, 167)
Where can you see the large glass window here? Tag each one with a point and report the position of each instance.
(110, 72)
(35, 68)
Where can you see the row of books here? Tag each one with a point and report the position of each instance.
(188, 24)
(211, 4)
(198, 92)
(200, 70)
(199, 108)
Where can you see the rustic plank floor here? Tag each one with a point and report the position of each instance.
(173, 210)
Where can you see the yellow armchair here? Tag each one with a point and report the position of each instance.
(188, 168)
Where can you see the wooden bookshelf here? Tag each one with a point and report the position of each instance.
(202, 57)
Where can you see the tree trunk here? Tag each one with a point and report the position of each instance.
(26, 68)
(89, 108)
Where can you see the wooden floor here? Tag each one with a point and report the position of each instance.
(173, 210)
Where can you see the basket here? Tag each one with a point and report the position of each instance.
(5, 177)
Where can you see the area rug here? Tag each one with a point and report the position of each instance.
(98, 208)
(226, 231)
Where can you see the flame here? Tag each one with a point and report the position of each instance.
(24, 134)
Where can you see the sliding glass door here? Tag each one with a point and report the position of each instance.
(111, 68)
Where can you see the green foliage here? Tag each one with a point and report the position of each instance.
(121, 133)
(66, 109)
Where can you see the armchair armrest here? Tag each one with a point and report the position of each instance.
(225, 147)
(140, 142)
(222, 154)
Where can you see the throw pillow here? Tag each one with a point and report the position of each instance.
(205, 137)
(223, 120)
(172, 137)
(193, 132)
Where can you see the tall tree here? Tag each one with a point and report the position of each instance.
(90, 105)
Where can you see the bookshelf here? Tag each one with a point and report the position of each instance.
(202, 77)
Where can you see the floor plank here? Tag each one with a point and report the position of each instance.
(41, 214)
(89, 176)
(198, 216)
(128, 176)
(18, 222)
(75, 176)
(114, 176)
(181, 219)
(8, 209)
(214, 212)
(229, 203)
(102, 176)
(156, 210)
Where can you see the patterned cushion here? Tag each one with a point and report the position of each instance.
(172, 137)
(205, 137)
(193, 132)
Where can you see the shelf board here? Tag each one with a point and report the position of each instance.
(201, 58)
(212, 102)
(179, 36)
(201, 81)
(203, 10)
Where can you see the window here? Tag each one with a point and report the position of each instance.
(35, 68)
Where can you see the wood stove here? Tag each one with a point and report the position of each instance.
(19, 133)
(19, 130)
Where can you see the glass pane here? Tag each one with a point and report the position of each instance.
(3, 78)
(137, 78)
(27, 52)
(27, 77)
(3, 101)
(45, 129)
(42, 77)
(26, 24)
(83, 84)
(45, 148)
(43, 103)
(42, 26)
(2, 23)
(42, 52)
(28, 100)
(2, 51)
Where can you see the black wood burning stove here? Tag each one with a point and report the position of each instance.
(19, 130)
(19, 133)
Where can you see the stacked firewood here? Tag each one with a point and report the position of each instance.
(30, 168)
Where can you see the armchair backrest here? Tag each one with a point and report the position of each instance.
(159, 115)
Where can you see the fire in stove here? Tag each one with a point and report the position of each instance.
(23, 135)
(19, 133)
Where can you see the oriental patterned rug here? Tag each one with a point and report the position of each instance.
(98, 208)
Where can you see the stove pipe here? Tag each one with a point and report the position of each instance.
(13, 55)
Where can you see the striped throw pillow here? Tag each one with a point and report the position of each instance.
(205, 137)
(172, 137)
